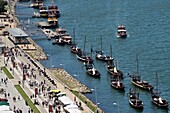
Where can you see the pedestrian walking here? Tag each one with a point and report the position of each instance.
(18, 97)
(29, 111)
(8, 94)
(5, 95)
(14, 107)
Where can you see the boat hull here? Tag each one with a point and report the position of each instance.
(141, 86)
(105, 59)
(96, 75)
(121, 36)
(119, 73)
(135, 106)
(121, 88)
(165, 106)
(82, 58)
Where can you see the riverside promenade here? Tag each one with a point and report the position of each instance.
(17, 73)
(18, 76)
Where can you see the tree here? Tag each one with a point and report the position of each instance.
(2, 5)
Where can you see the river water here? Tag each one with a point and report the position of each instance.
(147, 24)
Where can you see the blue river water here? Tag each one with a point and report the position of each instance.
(148, 25)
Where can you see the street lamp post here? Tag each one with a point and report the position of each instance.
(78, 85)
(117, 104)
(96, 99)
(52, 66)
(62, 66)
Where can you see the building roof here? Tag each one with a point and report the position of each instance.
(17, 32)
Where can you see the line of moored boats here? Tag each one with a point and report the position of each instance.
(61, 37)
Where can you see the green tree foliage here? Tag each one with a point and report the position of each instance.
(2, 5)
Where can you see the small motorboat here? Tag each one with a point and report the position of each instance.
(134, 100)
(121, 31)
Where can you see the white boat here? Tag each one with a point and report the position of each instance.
(121, 31)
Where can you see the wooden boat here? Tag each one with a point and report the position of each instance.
(64, 35)
(99, 54)
(59, 42)
(43, 11)
(121, 31)
(73, 46)
(52, 20)
(54, 9)
(36, 4)
(67, 39)
(156, 98)
(117, 83)
(136, 80)
(112, 69)
(74, 49)
(90, 70)
(61, 31)
(134, 100)
(83, 56)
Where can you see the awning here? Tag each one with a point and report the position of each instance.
(4, 103)
(17, 32)
(71, 106)
(65, 100)
(61, 94)
(4, 108)
(121, 30)
(7, 112)
(55, 91)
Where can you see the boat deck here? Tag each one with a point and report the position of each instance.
(44, 25)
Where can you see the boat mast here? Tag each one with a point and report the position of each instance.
(74, 35)
(91, 50)
(156, 81)
(84, 45)
(52, 1)
(101, 42)
(137, 70)
(111, 50)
